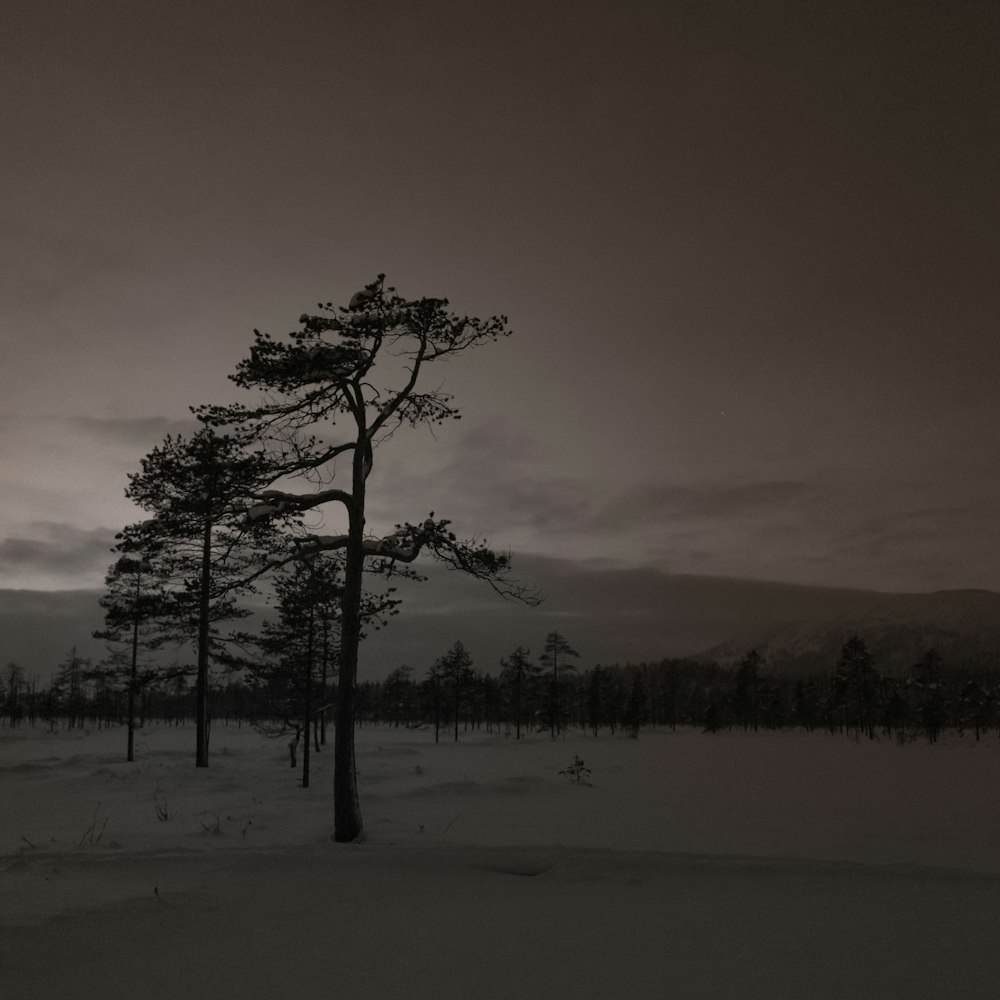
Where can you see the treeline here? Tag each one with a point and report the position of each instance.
(551, 695)
(853, 698)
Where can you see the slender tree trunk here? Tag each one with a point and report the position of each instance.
(437, 710)
(326, 666)
(130, 753)
(517, 703)
(346, 806)
(308, 678)
(555, 695)
(201, 689)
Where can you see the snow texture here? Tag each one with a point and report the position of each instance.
(693, 866)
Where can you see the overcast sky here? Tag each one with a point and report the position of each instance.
(749, 253)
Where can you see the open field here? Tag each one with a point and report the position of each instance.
(733, 865)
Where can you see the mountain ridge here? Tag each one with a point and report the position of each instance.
(611, 615)
(962, 625)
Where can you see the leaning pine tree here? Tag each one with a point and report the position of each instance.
(357, 372)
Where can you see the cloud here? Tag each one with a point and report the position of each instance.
(909, 546)
(55, 553)
(137, 432)
(722, 501)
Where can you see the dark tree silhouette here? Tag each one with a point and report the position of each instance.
(302, 639)
(927, 684)
(554, 655)
(519, 674)
(358, 370)
(635, 709)
(196, 490)
(398, 695)
(15, 681)
(857, 681)
(454, 673)
(135, 603)
(748, 689)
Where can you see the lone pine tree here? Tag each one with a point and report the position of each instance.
(357, 371)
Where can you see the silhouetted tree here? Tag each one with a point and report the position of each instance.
(454, 671)
(308, 605)
(135, 603)
(976, 702)
(554, 655)
(326, 375)
(856, 680)
(635, 709)
(196, 489)
(519, 676)
(596, 697)
(748, 684)
(805, 703)
(15, 680)
(927, 685)
(398, 693)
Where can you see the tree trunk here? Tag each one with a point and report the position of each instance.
(201, 690)
(554, 696)
(130, 752)
(324, 700)
(437, 710)
(347, 824)
(308, 678)
(517, 703)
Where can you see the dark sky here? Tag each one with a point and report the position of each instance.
(749, 253)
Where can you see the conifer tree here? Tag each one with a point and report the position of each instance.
(398, 692)
(358, 372)
(635, 709)
(300, 641)
(554, 655)
(519, 675)
(135, 602)
(197, 490)
(15, 681)
(454, 672)
(856, 679)
(748, 684)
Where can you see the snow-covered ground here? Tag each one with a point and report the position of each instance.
(734, 865)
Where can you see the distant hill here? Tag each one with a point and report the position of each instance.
(611, 615)
(38, 628)
(962, 625)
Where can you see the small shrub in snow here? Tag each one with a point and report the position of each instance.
(577, 771)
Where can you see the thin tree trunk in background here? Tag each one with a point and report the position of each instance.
(308, 684)
(346, 805)
(130, 753)
(201, 689)
(326, 664)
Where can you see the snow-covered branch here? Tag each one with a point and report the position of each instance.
(271, 503)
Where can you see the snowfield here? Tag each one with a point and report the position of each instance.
(693, 866)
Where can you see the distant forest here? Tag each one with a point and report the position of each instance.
(526, 697)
